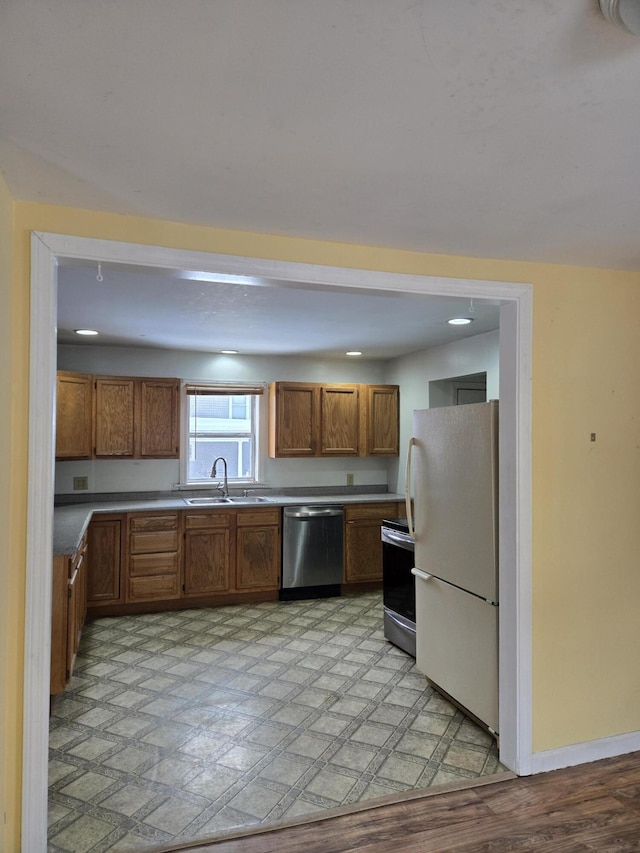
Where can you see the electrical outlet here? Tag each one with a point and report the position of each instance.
(349, 479)
(80, 484)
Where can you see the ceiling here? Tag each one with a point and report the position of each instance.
(185, 311)
(487, 128)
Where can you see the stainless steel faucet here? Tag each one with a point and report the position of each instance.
(225, 487)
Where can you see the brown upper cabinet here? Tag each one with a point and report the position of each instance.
(159, 405)
(339, 420)
(294, 413)
(313, 419)
(74, 403)
(382, 421)
(114, 404)
(125, 417)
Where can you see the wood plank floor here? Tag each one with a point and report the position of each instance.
(593, 808)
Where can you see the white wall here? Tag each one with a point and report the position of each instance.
(162, 475)
(479, 354)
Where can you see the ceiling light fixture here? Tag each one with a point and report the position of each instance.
(229, 351)
(624, 14)
(87, 332)
(460, 321)
(219, 278)
(354, 352)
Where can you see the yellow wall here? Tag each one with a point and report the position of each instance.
(11, 549)
(586, 498)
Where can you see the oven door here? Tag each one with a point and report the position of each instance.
(398, 584)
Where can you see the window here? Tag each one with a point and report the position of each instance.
(221, 421)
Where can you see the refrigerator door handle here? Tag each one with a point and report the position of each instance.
(407, 489)
(424, 576)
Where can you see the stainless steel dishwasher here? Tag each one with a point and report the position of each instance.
(312, 551)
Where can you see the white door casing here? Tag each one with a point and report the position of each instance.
(515, 475)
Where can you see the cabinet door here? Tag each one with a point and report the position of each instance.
(59, 609)
(158, 413)
(362, 543)
(293, 419)
(207, 562)
(258, 549)
(114, 417)
(68, 612)
(258, 558)
(81, 602)
(104, 577)
(382, 420)
(72, 623)
(363, 551)
(74, 404)
(340, 420)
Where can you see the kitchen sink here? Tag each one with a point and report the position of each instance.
(258, 499)
(216, 501)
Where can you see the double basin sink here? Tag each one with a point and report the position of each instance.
(216, 501)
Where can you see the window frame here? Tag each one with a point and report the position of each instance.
(260, 432)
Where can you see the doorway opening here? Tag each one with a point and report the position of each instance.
(515, 343)
(458, 391)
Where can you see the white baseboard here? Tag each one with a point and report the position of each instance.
(582, 753)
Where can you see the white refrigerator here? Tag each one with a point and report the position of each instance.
(452, 471)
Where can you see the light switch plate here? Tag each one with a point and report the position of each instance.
(80, 484)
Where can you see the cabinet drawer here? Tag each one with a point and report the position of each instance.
(153, 543)
(207, 519)
(153, 564)
(258, 517)
(141, 523)
(153, 588)
(373, 510)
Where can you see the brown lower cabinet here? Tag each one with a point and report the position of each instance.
(209, 553)
(69, 609)
(362, 544)
(132, 562)
(105, 559)
(258, 550)
(232, 551)
(153, 568)
(169, 557)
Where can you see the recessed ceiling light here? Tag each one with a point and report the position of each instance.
(229, 351)
(85, 331)
(460, 321)
(353, 352)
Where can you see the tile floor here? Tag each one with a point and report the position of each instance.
(180, 725)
